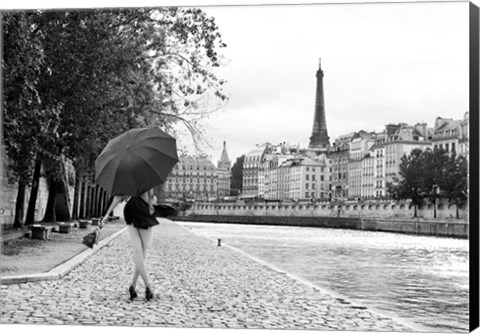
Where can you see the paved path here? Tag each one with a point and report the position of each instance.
(197, 283)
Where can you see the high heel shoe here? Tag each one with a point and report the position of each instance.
(148, 294)
(133, 293)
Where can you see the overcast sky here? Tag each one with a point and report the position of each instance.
(383, 63)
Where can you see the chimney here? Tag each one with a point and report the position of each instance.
(422, 129)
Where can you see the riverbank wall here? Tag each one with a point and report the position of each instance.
(438, 228)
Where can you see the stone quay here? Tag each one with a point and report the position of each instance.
(197, 283)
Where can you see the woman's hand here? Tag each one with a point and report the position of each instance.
(153, 200)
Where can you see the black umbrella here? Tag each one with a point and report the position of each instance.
(136, 161)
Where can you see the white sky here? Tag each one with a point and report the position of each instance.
(383, 63)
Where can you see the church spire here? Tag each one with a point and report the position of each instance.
(224, 160)
(319, 137)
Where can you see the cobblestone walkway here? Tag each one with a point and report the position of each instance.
(197, 284)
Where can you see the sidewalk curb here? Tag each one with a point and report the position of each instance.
(62, 269)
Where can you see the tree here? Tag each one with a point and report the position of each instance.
(434, 175)
(431, 175)
(97, 74)
(237, 176)
(410, 183)
(455, 185)
(22, 60)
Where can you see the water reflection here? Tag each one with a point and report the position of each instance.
(422, 279)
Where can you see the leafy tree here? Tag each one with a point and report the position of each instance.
(101, 72)
(431, 175)
(22, 60)
(455, 185)
(410, 183)
(434, 175)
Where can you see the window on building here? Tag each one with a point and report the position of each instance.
(446, 147)
(453, 147)
(322, 178)
(307, 177)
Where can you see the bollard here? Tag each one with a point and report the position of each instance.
(219, 242)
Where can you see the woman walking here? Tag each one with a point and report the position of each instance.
(139, 215)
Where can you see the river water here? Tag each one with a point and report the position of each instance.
(421, 279)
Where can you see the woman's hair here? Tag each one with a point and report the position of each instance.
(149, 194)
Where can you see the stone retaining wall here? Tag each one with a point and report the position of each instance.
(457, 229)
(9, 198)
(353, 209)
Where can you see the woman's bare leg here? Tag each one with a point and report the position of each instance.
(139, 251)
(146, 237)
(146, 241)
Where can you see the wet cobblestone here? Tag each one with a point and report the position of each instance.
(197, 284)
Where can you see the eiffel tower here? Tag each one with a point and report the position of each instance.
(319, 138)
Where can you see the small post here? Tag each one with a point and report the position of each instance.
(219, 242)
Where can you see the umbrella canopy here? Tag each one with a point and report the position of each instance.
(136, 161)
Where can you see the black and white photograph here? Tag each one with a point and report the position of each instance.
(239, 167)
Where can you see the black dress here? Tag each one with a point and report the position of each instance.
(137, 213)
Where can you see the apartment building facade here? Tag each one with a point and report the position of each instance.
(359, 150)
(197, 178)
(452, 135)
(339, 159)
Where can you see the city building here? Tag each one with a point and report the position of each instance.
(193, 177)
(269, 171)
(196, 177)
(452, 135)
(359, 149)
(339, 158)
(401, 139)
(304, 178)
(378, 154)
(252, 177)
(367, 183)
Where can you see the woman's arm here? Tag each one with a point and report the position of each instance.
(116, 200)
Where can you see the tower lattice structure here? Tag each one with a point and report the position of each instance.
(319, 138)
